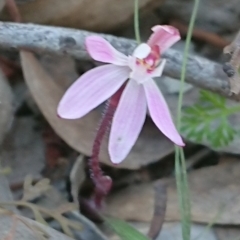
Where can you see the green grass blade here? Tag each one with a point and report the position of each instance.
(124, 230)
(185, 60)
(180, 165)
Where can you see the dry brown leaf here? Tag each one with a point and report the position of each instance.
(140, 203)
(92, 15)
(79, 134)
(135, 203)
(215, 195)
(227, 233)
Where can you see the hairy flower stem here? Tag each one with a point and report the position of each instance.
(102, 183)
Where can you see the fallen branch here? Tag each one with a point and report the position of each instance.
(201, 72)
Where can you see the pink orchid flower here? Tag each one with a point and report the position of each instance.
(141, 92)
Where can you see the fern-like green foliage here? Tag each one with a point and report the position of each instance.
(208, 120)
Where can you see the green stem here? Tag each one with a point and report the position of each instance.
(185, 60)
(136, 21)
(180, 165)
(185, 196)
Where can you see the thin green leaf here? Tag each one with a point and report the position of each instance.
(124, 230)
(180, 166)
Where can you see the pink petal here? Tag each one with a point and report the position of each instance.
(164, 36)
(160, 113)
(91, 89)
(102, 51)
(127, 122)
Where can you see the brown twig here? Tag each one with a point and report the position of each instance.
(159, 209)
(201, 35)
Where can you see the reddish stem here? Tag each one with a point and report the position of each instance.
(102, 183)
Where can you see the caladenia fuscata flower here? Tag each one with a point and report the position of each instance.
(128, 82)
(141, 92)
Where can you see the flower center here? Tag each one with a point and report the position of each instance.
(152, 60)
